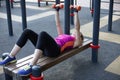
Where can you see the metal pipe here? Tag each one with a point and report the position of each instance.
(9, 18)
(96, 25)
(23, 9)
(67, 17)
(110, 15)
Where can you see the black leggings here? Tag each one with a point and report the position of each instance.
(43, 41)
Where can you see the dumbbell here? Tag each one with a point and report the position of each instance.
(60, 6)
(76, 8)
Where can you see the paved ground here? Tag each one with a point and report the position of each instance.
(78, 67)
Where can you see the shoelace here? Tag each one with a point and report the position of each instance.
(26, 67)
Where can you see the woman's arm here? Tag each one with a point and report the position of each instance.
(58, 25)
(78, 35)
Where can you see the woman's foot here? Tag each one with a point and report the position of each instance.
(8, 60)
(26, 70)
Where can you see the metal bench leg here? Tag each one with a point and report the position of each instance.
(8, 77)
(19, 77)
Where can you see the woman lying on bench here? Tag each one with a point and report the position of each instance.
(45, 44)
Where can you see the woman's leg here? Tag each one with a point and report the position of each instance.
(14, 51)
(25, 36)
(37, 54)
(47, 46)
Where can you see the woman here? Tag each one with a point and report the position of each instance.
(45, 44)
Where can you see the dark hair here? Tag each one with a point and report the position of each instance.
(82, 36)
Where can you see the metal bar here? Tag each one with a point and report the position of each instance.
(9, 18)
(47, 3)
(72, 12)
(11, 3)
(92, 8)
(96, 23)
(90, 4)
(67, 17)
(110, 15)
(57, 1)
(0, 3)
(23, 9)
(38, 3)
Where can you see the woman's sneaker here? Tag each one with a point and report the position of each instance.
(26, 70)
(8, 60)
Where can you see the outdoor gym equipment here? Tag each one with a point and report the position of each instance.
(46, 62)
(76, 8)
(60, 6)
(36, 73)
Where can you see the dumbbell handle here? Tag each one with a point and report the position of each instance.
(58, 6)
(78, 8)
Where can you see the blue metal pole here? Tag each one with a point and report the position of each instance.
(110, 15)
(96, 23)
(0, 3)
(11, 2)
(92, 8)
(38, 3)
(57, 1)
(67, 17)
(23, 9)
(9, 18)
(72, 12)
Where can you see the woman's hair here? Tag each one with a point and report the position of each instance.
(82, 36)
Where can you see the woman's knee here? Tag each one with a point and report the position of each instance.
(26, 31)
(43, 34)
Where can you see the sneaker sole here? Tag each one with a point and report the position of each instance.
(14, 61)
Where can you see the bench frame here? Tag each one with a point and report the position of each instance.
(45, 62)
